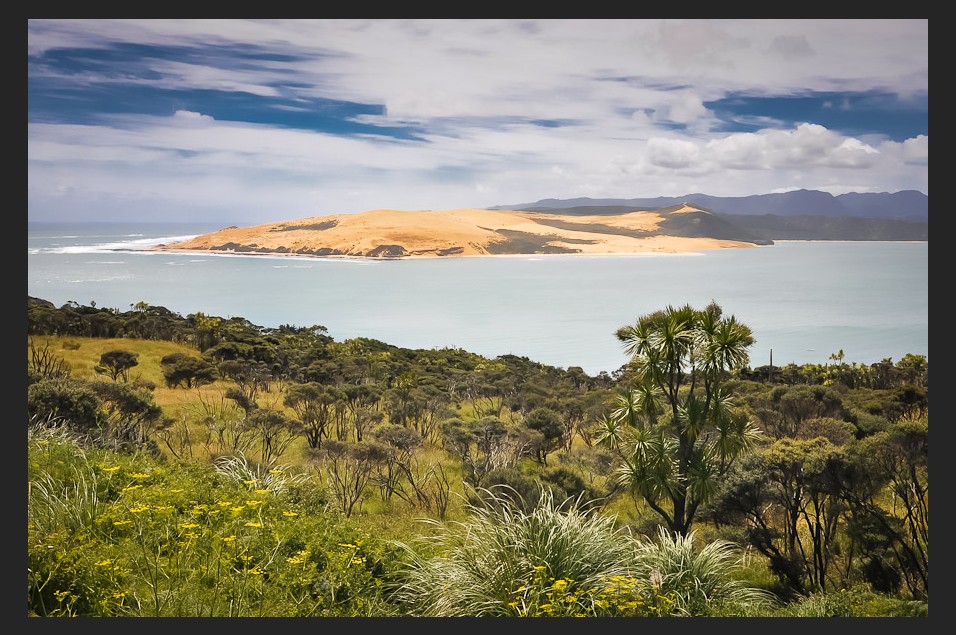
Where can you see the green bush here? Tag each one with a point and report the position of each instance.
(118, 535)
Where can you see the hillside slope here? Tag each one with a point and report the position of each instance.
(384, 233)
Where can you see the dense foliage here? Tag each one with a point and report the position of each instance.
(229, 470)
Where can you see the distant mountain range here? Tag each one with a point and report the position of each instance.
(797, 215)
(907, 205)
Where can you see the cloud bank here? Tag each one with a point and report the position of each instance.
(252, 121)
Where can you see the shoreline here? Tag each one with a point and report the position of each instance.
(160, 248)
(384, 234)
(842, 240)
(650, 253)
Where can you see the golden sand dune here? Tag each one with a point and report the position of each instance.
(387, 233)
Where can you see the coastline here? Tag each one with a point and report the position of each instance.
(427, 297)
(695, 250)
(385, 234)
(277, 255)
(646, 253)
(843, 240)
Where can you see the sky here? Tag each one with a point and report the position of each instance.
(256, 121)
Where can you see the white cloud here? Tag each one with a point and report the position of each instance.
(672, 153)
(686, 109)
(916, 150)
(190, 117)
(630, 97)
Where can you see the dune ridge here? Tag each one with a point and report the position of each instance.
(390, 233)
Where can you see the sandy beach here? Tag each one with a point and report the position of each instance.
(459, 232)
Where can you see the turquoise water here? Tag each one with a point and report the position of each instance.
(803, 300)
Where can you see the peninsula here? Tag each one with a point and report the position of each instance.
(387, 233)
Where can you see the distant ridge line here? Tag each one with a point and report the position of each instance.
(907, 205)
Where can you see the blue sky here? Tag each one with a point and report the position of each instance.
(255, 121)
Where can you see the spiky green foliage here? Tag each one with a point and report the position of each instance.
(489, 564)
(698, 576)
(561, 560)
(275, 477)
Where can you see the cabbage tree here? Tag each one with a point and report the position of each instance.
(677, 430)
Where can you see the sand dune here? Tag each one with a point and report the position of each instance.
(389, 233)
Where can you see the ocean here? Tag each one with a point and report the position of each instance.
(803, 300)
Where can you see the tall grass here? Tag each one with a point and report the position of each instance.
(275, 477)
(699, 577)
(562, 559)
(124, 535)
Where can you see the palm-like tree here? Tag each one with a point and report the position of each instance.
(676, 428)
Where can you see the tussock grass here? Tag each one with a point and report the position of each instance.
(563, 559)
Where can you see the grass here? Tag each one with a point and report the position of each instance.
(562, 559)
(193, 535)
(114, 535)
(83, 353)
(120, 535)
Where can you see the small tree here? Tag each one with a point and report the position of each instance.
(116, 364)
(130, 415)
(276, 431)
(348, 469)
(180, 369)
(673, 457)
(549, 424)
(313, 404)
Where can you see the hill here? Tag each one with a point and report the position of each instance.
(385, 233)
(906, 205)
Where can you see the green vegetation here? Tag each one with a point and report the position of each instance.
(519, 242)
(681, 359)
(199, 466)
(125, 535)
(566, 560)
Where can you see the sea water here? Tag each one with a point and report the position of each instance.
(803, 300)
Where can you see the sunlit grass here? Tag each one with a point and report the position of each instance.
(221, 535)
(564, 559)
(115, 535)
